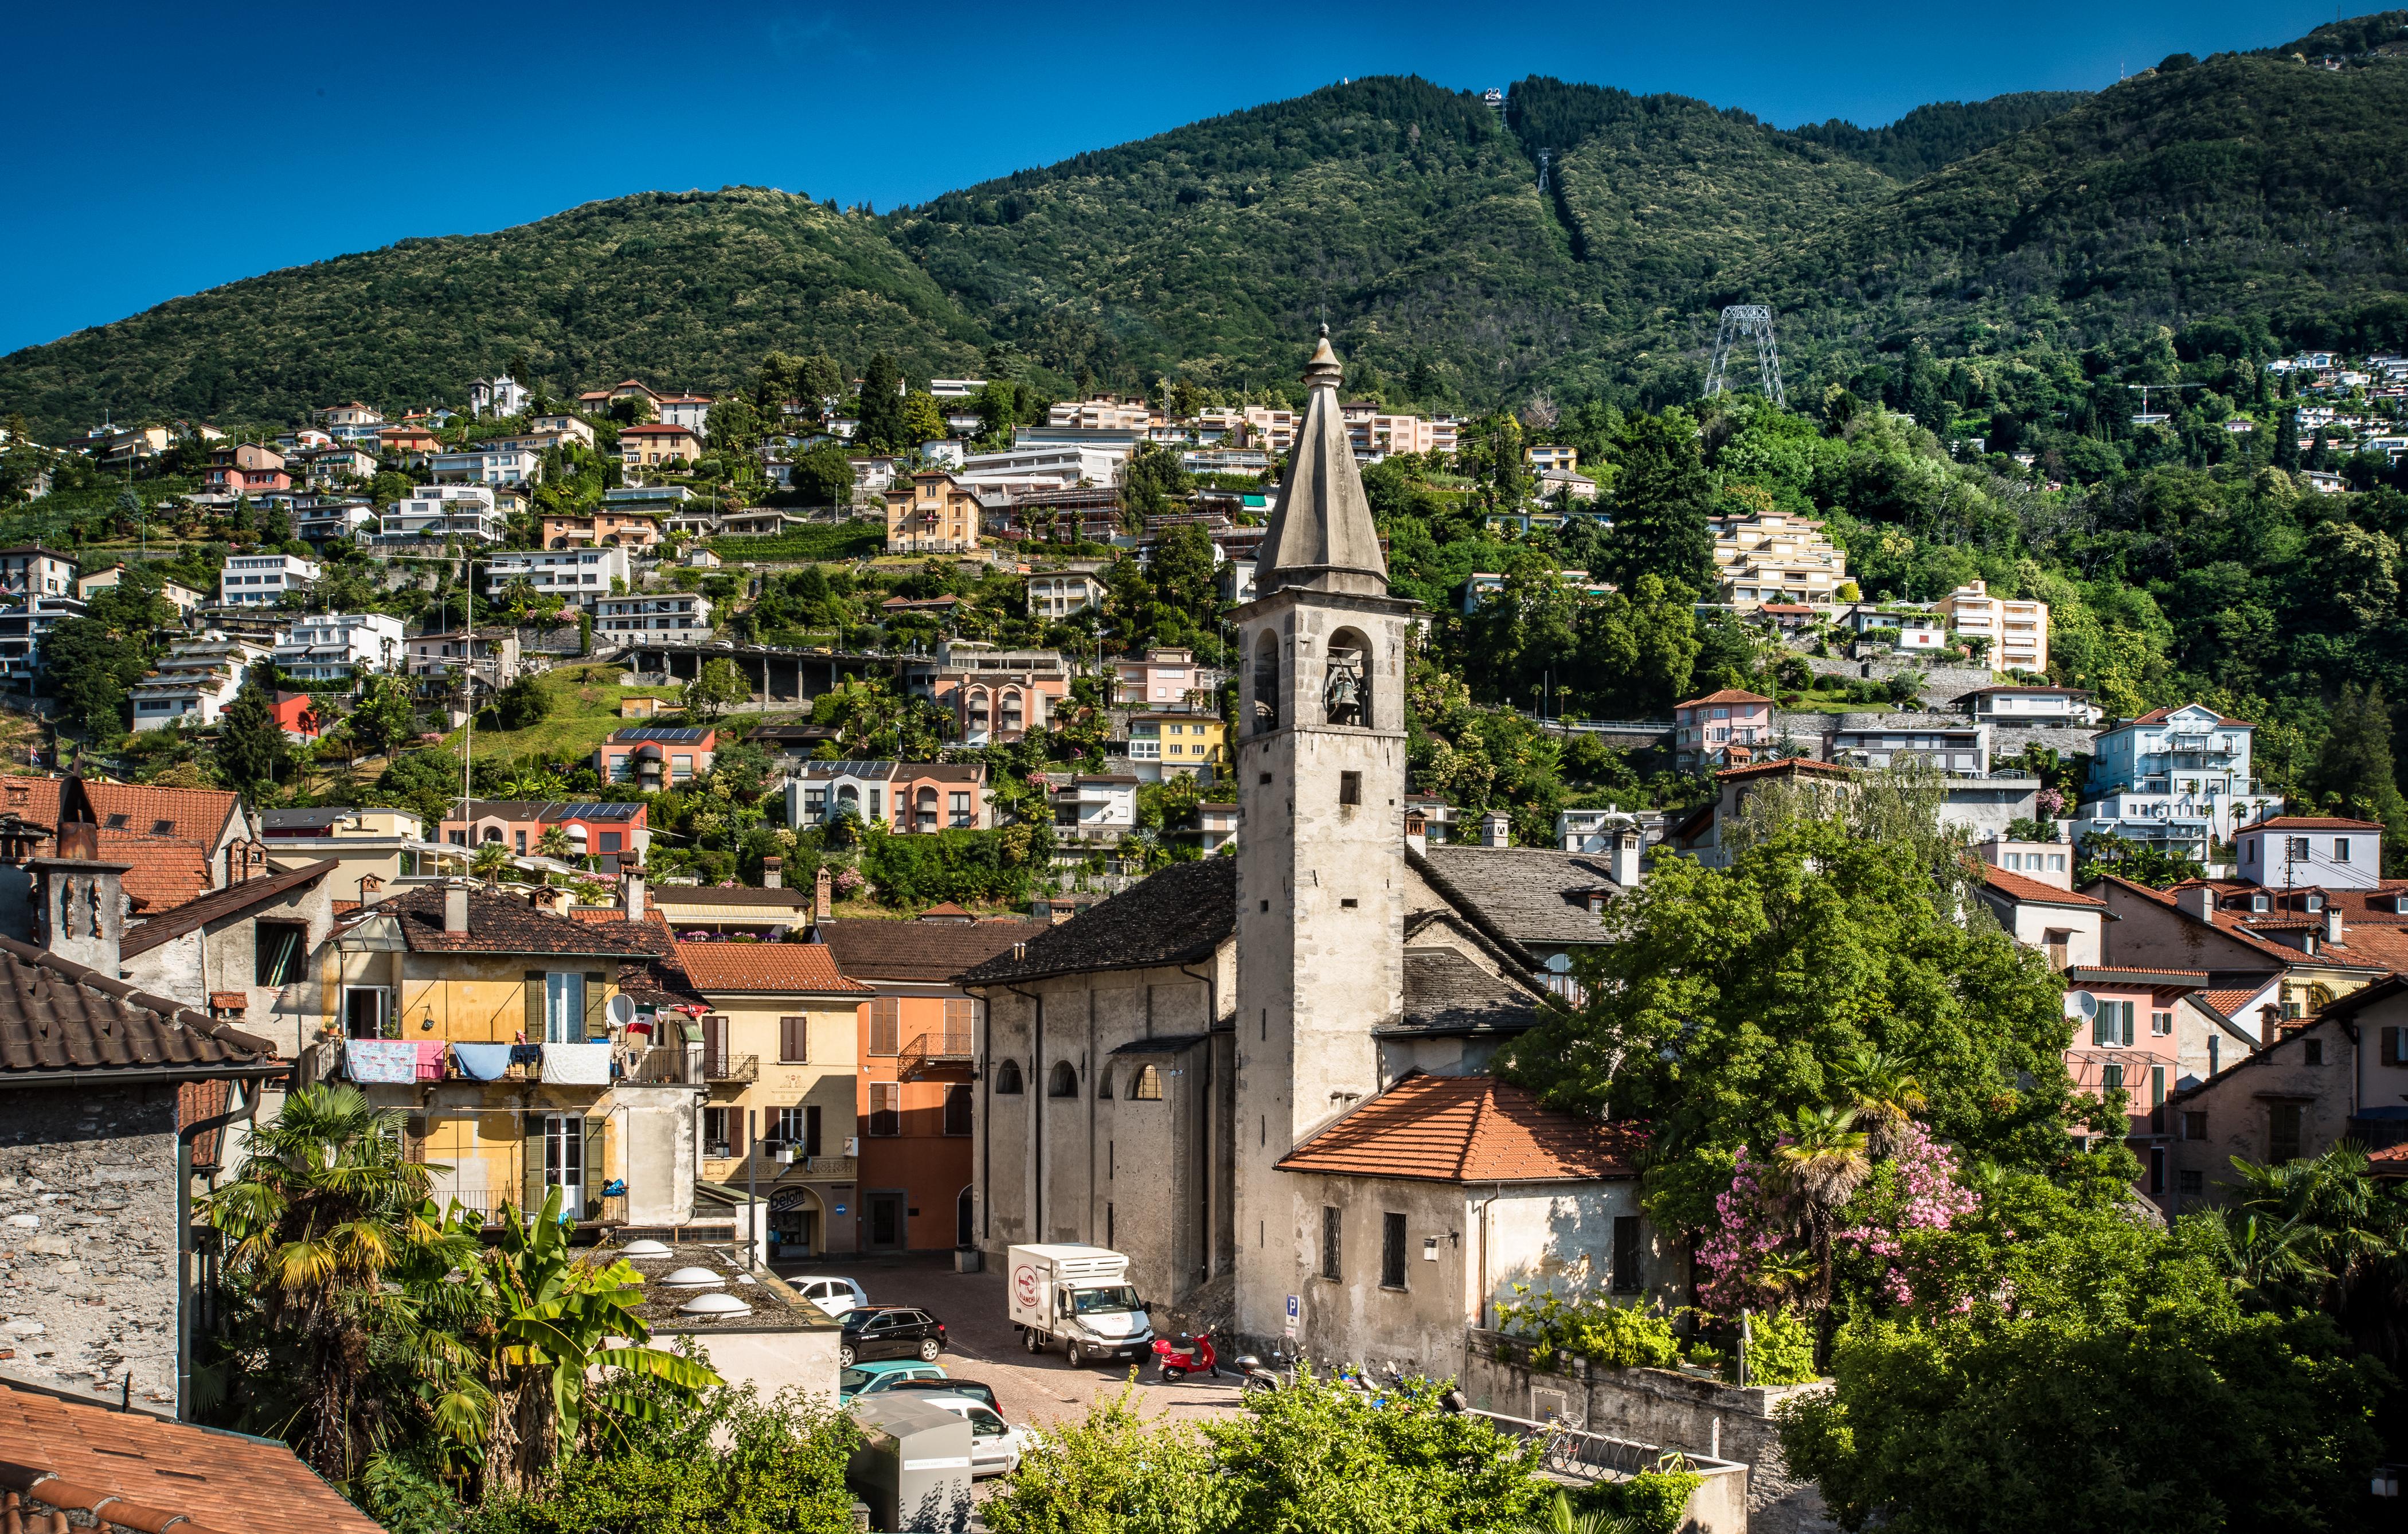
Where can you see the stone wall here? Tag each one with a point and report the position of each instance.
(88, 1238)
(1662, 1407)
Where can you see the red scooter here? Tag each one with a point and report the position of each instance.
(1182, 1356)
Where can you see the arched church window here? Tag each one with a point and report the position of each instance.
(1104, 1084)
(1007, 1079)
(1064, 1081)
(1267, 683)
(1346, 688)
(1148, 1085)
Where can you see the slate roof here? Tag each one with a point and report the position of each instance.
(57, 1015)
(931, 952)
(1446, 993)
(1529, 894)
(232, 900)
(1467, 1129)
(772, 968)
(143, 1471)
(1321, 530)
(497, 924)
(1177, 916)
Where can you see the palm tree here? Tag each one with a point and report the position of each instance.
(326, 1202)
(1885, 1094)
(1557, 1517)
(489, 862)
(553, 844)
(1819, 1166)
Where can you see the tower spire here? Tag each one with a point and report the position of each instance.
(1321, 534)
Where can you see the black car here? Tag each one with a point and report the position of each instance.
(890, 1332)
(971, 1388)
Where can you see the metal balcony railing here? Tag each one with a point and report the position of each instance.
(926, 1051)
(730, 1067)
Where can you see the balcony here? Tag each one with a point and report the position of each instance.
(672, 1065)
(934, 1051)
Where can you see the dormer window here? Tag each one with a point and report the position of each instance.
(2260, 903)
(2316, 902)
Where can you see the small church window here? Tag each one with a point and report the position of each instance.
(1350, 788)
(1104, 1084)
(1007, 1079)
(1065, 1081)
(1266, 684)
(1148, 1085)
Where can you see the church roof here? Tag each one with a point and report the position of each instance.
(1321, 533)
(1177, 916)
(1525, 895)
(1467, 1129)
(1446, 994)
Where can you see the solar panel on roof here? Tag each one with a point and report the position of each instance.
(661, 732)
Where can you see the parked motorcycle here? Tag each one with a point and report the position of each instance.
(1253, 1374)
(1181, 1356)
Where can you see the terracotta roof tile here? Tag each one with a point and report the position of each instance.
(1801, 764)
(56, 1015)
(193, 914)
(195, 814)
(1467, 1129)
(777, 967)
(2032, 892)
(163, 872)
(147, 1472)
(2225, 1002)
(1728, 695)
(2313, 822)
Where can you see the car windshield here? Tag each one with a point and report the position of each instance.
(857, 1380)
(1120, 1297)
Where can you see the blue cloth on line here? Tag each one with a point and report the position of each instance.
(484, 1062)
(527, 1054)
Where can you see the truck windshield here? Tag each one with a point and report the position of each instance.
(1120, 1297)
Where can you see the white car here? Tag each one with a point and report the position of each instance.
(995, 1445)
(833, 1295)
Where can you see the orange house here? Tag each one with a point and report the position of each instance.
(918, 1042)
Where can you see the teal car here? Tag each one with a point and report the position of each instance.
(879, 1374)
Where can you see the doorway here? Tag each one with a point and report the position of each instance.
(563, 1160)
(888, 1221)
(962, 1223)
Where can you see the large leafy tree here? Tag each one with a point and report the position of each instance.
(883, 428)
(251, 746)
(1661, 497)
(88, 663)
(2355, 773)
(1734, 998)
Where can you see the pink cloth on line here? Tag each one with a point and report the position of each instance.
(430, 1059)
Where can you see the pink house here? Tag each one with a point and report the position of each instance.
(1721, 729)
(2123, 1034)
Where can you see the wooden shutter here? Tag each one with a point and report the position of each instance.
(886, 1026)
(598, 1006)
(534, 1030)
(812, 1130)
(735, 1131)
(714, 1041)
(794, 1039)
(2128, 1022)
(531, 1199)
(596, 1171)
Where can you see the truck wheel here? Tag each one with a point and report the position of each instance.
(1031, 1341)
(1074, 1352)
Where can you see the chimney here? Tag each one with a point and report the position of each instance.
(455, 910)
(1623, 857)
(2333, 922)
(773, 873)
(1417, 831)
(1495, 829)
(79, 909)
(631, 894)
(823, 894)
(2198, 900)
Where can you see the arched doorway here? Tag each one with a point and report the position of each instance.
(1267, 683)
(798, 1221)
(964, 1230)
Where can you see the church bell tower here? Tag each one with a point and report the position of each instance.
(1320, 762)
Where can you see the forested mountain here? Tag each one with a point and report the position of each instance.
(2257, 191)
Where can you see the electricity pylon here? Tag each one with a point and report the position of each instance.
(1752, 321)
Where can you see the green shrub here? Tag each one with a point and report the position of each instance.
(1780, 1351)
(1648, 1503)
(1597, 1330)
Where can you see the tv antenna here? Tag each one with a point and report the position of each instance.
(2145, 418)
(1749, 322)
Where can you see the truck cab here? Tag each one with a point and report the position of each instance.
(1081, 1297)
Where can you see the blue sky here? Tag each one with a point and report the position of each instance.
(155, 150)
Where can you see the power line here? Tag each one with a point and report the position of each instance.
(1752, 321)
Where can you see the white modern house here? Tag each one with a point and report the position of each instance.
(2032, 707)
(436, 512)
(685, 614)
(22, 627)
(486, 465)
(1094, 807)
(501, 394)
(339, 645)
(262, 580)
(330, 521)
(1058, 594)
(2179, 778)
(582, 574)
(193, 683)
(2319, 852)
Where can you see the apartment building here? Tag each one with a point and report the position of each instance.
(491, 656)
(329, 520)
(905, 795)
(246, 468)
(1547, 456)
(487, 464)
(469, 512)
(1103, 415)
(584, 576)
(1166, 680)
(1058, 594)
(2017, 630)
(996, 695)
(1374, 434)
(608, 525)
(657, 446)
(1163, 745)
(932, 512)
(1720, 728)
(262, 580)
(652, 757)
(1771, 556)
(603, 832)
(690, 411)
(31, 569)
(567, 427)
(23, 628)
(685, 615)
(193, 683)
(337, 646)
(1948, 743)
(2179, 778)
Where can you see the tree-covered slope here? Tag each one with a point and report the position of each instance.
(688, 290)
(2250, 187)
(1399, 209)
(1929, 138)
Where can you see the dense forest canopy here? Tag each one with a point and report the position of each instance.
(2251, 190)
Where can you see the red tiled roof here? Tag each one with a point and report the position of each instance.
(1467, 1129)
(197, 814)
(657, 431)
(2227, 921)
(2313, 822)
(780, 968)
(35, 800)
(2032, 892)
(2226, 1001)
(1802, 762)
(192, 915)
(944, 908)
(166, 871)
(144, 1471)
(1728, 695)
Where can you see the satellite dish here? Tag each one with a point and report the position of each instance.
(2088, 1003)
(622, 1010)
(1559, 964)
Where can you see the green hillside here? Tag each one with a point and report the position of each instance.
(1941, 133)
(688, 289)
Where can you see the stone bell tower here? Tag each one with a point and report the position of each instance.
(1320, 762)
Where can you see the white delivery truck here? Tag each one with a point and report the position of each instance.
(1079, 1295)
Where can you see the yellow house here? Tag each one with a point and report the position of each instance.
(932, 512)
(488, 1021)
(781, 1049)
(1179, 742)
